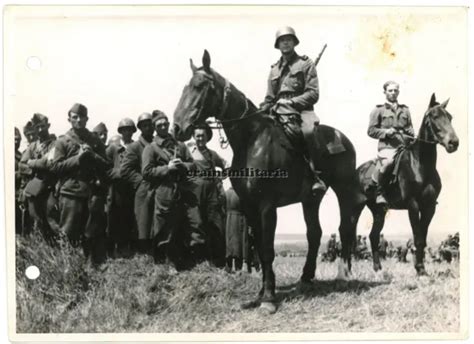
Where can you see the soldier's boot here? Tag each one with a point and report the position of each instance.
(311, 155)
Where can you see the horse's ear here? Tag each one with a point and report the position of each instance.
(433, 101)
(206, 61)
(445, 103)
(193, 67)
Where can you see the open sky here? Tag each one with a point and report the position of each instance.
(122, 61)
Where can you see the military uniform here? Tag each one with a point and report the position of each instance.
(120, 213)
(143, 194)
(82, 190)
(295, 79)
(40, 188)
(207, 193)
(18, 210)
(177, 221)
(382, 118)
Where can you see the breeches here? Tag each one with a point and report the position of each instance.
(385, 159)
(43, 210)
(82, 218)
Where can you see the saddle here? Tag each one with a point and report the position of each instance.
(330, 142)
(403, 160)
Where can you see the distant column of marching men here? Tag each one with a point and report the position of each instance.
(128, 197)
(446, 251)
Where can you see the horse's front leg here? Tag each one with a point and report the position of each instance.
(418, 236)
(313, 234)
(378, 213)
(268, 217)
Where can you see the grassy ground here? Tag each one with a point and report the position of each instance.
(137, 296)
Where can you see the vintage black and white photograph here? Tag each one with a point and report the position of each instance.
(298, 171)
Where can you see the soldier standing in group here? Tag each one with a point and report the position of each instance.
(383, 246)
(40, 190)
(177, 228)
(30, 133)
(389, 123)
(207, 193)
(236, 228)
(26, 220)
(143, 193)
(81, 165)
(18, 210)
(292, 91)
(101, 131)
(120, 216)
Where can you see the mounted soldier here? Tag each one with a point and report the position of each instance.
(389, 123)
(292, 91)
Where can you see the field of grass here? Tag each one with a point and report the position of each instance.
(134, 295)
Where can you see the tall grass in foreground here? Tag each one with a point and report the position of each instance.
(135, 295)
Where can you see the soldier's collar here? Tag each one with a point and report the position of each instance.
(392, 105)
(290, 61)
(144, 140)
(160, 139)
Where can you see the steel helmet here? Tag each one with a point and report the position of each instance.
(126, 122)
(143, 117)
(284, 31)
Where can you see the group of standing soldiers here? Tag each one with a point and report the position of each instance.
(125, 197)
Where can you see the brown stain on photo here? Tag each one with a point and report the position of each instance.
(381, 42)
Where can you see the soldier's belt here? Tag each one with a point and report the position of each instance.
(287, 95)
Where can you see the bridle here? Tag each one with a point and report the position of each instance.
(433, 133)
(224, 104)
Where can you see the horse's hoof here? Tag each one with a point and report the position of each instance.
(304, 286)
(250, 304)
(422, 272)
(377, 267)
(268, 307)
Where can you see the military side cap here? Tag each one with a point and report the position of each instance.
(207, 128)
(17, 132)
(100, 128)
(39, 119)
(126, 122)
(157, 115)
(28, 128)
(80, 109)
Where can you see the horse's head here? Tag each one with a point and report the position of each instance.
(437, 121)
(201, 99)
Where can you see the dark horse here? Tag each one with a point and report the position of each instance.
(258, 142)
(418, 183)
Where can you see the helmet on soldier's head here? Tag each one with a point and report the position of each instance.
(285, 31)
(126, 122)
(143, 117)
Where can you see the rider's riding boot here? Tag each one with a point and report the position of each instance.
(380, 197)
(318, 185)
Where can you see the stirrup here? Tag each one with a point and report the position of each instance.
(318, 185)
